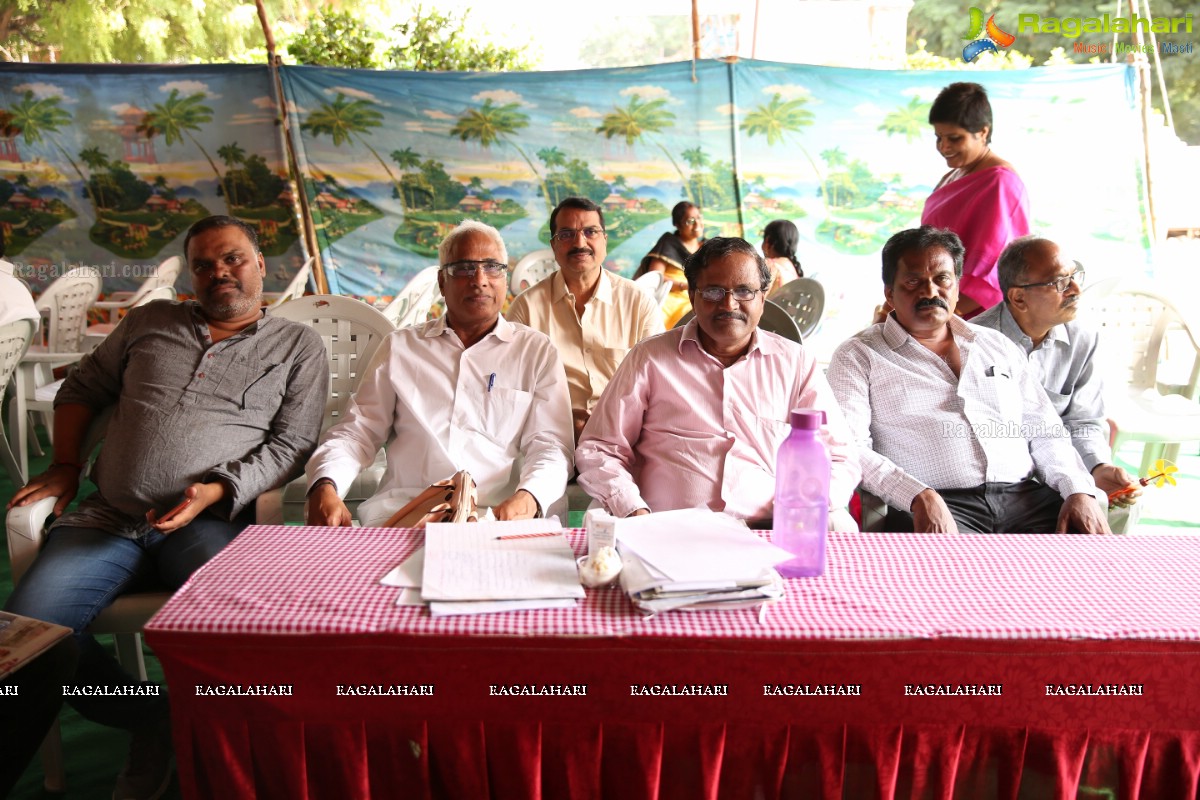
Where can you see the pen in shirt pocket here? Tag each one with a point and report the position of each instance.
(491, 381)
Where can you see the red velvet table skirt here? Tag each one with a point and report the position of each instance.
(464, 742)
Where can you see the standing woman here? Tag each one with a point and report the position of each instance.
(780, 238)
(668, 255)
(981, 198)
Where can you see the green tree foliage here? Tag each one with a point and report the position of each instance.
(429, 41)
(335, 39)
(139, 31)
(432, 188)
(432, 41)
(942, 24)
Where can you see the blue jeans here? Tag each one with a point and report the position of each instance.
(80, 571)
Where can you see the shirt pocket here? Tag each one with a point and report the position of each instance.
(609, 358)
(1008, 400)
(504, 414)
(253, 385)
(1059, 400)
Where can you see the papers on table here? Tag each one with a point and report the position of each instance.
(696, 559)
(482, 567)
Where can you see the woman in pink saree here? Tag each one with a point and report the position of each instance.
(981, 198)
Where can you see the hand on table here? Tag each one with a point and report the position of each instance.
(196, 498)
(1082, 512)
(60, 480)
(324, 508)
(931, 515)
(520, 506)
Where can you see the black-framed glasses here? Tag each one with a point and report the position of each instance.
(1061, 283)
(569, 234)
(716, 294)
(467, 269)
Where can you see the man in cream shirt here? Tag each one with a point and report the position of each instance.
(469, 390)
(593, 316)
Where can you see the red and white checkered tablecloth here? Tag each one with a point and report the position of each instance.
(299, 580)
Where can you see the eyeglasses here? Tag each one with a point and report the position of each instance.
(693, 221)
(569, 234)
(467, 269)
(1061, 283)
(743, 294)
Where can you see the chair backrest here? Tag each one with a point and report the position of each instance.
(166, 273)
(351, 330)
(774, 319)
(650, 283)
(1133, 326)
(15, 338)
(804, 299)
(296, 288)
(414, 301)
(531, 269)
(65, 305)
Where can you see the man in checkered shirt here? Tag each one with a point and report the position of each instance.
(953, 430)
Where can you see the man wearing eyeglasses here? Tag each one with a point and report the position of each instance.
(592, 315)
(467, 391)
(953, 430)
(694, 418)
(1041, 295)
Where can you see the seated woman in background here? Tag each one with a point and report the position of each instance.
(780, 238)
(668, 255)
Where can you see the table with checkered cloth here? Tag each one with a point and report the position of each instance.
(902, 645)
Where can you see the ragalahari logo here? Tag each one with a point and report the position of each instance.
(994, 39)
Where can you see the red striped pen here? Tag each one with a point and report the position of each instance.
(528, 535)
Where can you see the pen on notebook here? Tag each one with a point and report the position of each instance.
(529, 535)
(491, 381)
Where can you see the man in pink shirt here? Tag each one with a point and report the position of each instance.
(694, 417)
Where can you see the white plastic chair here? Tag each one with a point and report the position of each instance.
(352, 331)
(64, 305)
(295, 289)
(531, 269)
(163, 277)
(411, 306)
(1135, 329)
(804, 299)
(95, 333)
(14, 341)
(124, 618)
(654, 284)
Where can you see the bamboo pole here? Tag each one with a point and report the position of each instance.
(695, 36)
(1142, 64)
(305, 217)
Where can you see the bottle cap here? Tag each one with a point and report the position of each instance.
(809, 419)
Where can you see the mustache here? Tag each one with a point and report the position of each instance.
(929, 302)
(729, 315)
(578, 251)
(217, 284)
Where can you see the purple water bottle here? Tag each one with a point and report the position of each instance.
(802, 496)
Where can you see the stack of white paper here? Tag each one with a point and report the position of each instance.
(481, 567)
(695, 559)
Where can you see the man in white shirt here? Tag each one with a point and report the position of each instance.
(1041, 297)
(16, 302)
(468, 390)
(953, 430)
(592, 315)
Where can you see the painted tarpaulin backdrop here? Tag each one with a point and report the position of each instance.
(392, 160)
(108, 165)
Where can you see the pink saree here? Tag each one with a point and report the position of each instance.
(987, 210)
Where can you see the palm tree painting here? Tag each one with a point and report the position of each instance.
(406, 159)
(96, 161)
(697, 160)
(491, 123)
(553, 157)
(38, 118)
(911, 120)
(640, 119)
(344, 120)
(232, 155)
(778, 118)
(176, 118)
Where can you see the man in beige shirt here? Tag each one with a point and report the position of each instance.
(592, 315)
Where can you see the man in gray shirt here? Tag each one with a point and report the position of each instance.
(1041, 293)
(213, 403)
